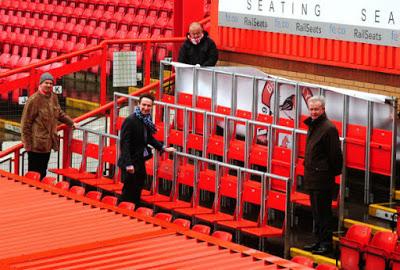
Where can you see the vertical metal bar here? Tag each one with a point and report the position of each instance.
(195, 93)
(100, 156)
(276, 101)
(393, 152)
(226, 139)
(287, 242)
(195, 197)
(186, 119)
(147, 63)
(217, 196)
(234, 95)
(263, 208)
(116, 114)
(205, 133)
(247, 141)
(161, 75)
(103, 75)
(175, 184)
(116, 167)
(239, 192)
(367, 183)
(166, 123)
(154, 184)
(214, 97)
(342, 187)
(254, 106)
(84, 156)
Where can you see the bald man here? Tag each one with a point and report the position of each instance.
(198, 48)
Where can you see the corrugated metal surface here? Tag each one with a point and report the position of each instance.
(308, 49)
(43, 228)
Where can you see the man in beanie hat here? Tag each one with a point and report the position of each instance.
(39, 125)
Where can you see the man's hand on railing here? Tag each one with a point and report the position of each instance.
(169, 149)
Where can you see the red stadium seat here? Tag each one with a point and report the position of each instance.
(145, 211)
(64, 185)
(201, 228)
(378, 251)
(127, 205)
(94, 195)
(33, 175)
(303, 261)
(182, 222)
(164, 216)
(222, 235)
(110, 200)
(326, 267)
(49, 180)
(78, 190)
(352, 246)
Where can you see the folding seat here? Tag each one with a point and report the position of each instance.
(23, 61)
(236, 150)
(77, 147)
(117, 17)
(78, 190)
(215, 145)
(201, 228)
(59, 10)
(140, 17)
(228, 189)
(145, 32)
(128, 19)
(151, 18)
(121, 34)
(352, 246)
(146, 4)
(170, 24)
(206, 183)
(281, 165)
(184, 99)
(381, 151)
(203, 103)
(87, 13)
(97, 15)
(161, 54)
(127, 205)
(164, 216)
(276, 200)
(182, 222)
(33, 175)
(303, 261)
(109, 33)
(110, 200)
(94, 195)
(378, 251)
(78, 12)
(145, 211)
(185, 178)
(99, 33)
(355, 146)
(64, 185)
(395, 259)
(222, 235)
(251, 194)
(156, 33)
(157, 4)
(13, 61)
(162, 20)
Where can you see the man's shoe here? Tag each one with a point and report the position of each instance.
(311, 247)
(322, 250)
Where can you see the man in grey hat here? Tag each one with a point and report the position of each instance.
(39, 125)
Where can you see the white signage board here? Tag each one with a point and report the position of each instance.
(124, 69)
(367, 21)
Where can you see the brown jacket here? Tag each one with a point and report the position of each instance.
(39, 123)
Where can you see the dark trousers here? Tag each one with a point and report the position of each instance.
(133, 185)
(321, 207)
(37, 162)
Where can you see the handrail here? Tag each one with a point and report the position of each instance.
(87, 50)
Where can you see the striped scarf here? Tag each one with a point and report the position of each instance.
(146, 119)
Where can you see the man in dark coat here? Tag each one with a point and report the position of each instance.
(322, 162)
(198, 48)
(136, 133)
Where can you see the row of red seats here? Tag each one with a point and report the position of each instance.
(380, 146)
(360, 250)
(161, 19)
(72, 7)
(112, 200)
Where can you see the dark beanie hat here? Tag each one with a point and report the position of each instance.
(46, 76)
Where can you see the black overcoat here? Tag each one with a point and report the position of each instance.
(323, 158)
